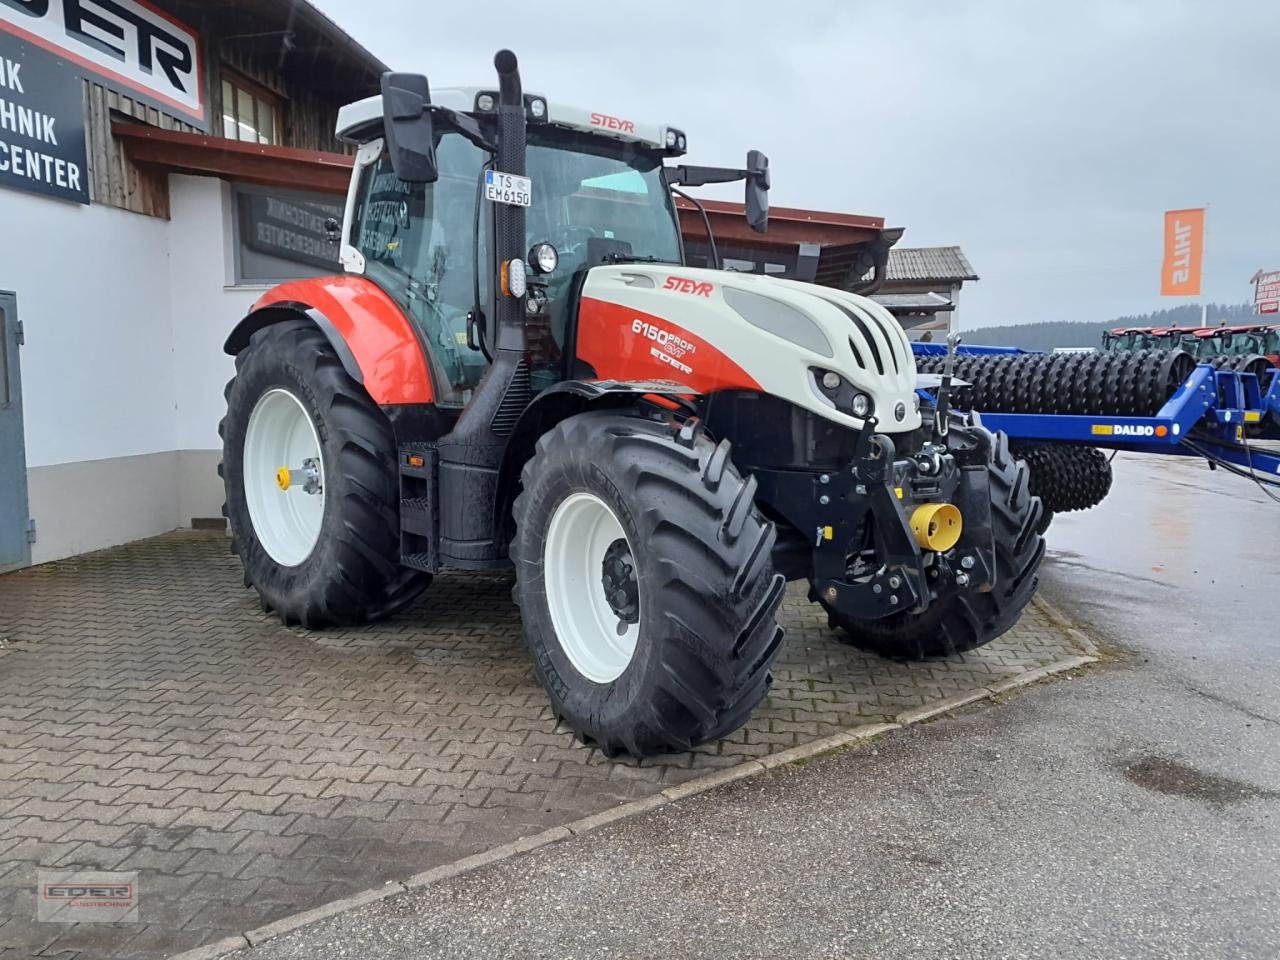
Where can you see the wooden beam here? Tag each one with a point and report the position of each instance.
(271, 166)
(788, 226)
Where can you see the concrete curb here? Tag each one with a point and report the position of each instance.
(296, 920)
(211, 951)
(1061, 621)
(931, 710)
(681, 791)
(837, 741)
(1032, 676)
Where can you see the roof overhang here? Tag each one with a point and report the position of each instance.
(202, 155)
(901, 304)
(841, 241)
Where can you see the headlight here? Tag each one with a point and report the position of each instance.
(838, 393)
(544, 257)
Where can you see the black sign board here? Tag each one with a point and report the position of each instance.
(290, 227)
(42, 136)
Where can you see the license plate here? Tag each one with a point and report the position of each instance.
(507, 188)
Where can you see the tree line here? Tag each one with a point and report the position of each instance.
(1083, 333)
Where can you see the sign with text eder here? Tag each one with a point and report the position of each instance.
(42, 138)
(131, 46)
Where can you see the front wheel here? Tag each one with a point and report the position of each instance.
(967, 619)
(645, 581)
(309, 467)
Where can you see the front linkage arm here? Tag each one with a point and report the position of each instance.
(876, 488)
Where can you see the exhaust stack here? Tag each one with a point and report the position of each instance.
(472, 452)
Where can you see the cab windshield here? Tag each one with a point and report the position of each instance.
(587, 187)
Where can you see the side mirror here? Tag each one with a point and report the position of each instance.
(408, 127)
(757, 191)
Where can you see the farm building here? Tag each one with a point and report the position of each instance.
(163, 162)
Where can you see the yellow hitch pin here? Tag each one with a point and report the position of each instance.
(936, 526)
(283, 478)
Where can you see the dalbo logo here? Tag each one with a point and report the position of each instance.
(685, 285)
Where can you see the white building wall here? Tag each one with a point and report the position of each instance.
(123, 370)
(93, 297)
(205, 306)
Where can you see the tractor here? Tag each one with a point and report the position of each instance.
(516, 370)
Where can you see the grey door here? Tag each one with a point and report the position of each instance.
(15, 548)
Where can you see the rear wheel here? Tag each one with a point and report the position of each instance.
(311, 484)
(967, 619)
(644, 579)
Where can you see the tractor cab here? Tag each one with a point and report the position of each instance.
(1209, 342)
(593, 189)
(1259, 339)
(1130, 338)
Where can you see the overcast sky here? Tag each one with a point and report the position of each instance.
(1045, 138)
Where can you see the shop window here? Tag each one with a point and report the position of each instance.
(249, 112)
(280, 234)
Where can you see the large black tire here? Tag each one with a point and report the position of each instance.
(353, 574)
(707, 592)
(967, 620)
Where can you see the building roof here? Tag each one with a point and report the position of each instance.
(897, 303)
(300, 36)
(929, 263)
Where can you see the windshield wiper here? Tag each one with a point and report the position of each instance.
(632, 258)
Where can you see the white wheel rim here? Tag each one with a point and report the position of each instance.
(581, 531)
(281, 434)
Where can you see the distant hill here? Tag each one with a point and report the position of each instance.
(1082, 333)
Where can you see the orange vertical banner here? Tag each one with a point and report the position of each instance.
(1183, 253)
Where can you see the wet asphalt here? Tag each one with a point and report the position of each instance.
(1132, 811)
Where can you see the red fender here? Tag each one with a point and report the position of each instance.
(377, 332)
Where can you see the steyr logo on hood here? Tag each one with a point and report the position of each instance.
(685, 285)
(612, 123)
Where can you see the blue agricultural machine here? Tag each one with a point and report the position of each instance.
(1061, 410)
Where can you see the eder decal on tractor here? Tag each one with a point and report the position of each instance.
(517, 369)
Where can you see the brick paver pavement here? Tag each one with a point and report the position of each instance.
(153, 719)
